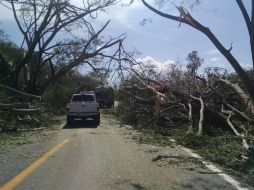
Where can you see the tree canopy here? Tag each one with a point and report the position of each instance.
(51, 31)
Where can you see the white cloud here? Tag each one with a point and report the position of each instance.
(215, 59)
(122, 11)
(212, 52)
(158, 67)
(123, 14)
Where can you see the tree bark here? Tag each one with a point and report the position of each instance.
(237, 111)
(245, 144)
(201, 117)
(244, 96)
(190, 118)
(249, 24)
(201, 114)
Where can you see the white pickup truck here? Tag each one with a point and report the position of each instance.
(83, 106)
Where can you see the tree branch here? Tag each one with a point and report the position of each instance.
(20, 93)
(186, 18)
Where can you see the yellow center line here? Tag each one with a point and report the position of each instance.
(14, 182)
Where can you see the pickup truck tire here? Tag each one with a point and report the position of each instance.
(96, 120)
(69, 120)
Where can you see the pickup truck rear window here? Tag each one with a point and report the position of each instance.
(82, 98)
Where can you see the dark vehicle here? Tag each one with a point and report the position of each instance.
(105, 96)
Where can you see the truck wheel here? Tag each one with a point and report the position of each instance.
(96, 121)
(69, 120)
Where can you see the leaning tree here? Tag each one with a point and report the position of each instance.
(58, 36)
(186, 18)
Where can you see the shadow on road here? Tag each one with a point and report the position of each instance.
(135, 186)
(77, 124)
(201, 183)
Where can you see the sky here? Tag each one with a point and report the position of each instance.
(162, 40)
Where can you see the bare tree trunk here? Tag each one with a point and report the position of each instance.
(249, 23)
(201, 114)
(201, 117)
(245, 97)
(237, 111)
(245, 144)
(190, 118)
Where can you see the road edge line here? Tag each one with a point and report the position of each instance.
(15, 181)
(213, 168)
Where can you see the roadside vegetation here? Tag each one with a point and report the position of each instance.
(200, 110)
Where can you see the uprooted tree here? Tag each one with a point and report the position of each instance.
(182, 95)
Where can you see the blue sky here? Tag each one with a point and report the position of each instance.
(163, 40)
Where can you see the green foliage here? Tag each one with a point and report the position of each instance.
(4, 114)
(58, 94)
(227, 151)
(9, 49)
(100, 76)
(3, 96)
(109, 111)
(131, 110)
(195, 141)
(194, 62)
(9, 54)
(126, 111)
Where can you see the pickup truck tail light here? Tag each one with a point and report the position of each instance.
(98, 107)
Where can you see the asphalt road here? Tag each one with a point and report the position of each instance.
(105, 158)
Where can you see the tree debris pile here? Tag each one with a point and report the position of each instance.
(18, 108)
(211, 104)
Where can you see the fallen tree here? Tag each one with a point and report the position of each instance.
(186, 18)
(186, 97)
